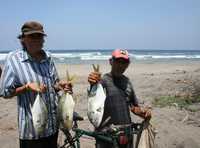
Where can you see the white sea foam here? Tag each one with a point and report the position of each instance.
(79, 56)
(95, 57)
(145, 57)
(75, 55)
(3, 56)
(99, 56)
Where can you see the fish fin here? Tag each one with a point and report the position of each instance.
(88, 90)
(38, 86)
(95, 68)
(67, 75)
(98, 67)
(73, 78)
(92, 91)
(70, 79)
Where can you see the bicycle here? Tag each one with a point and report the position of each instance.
(110, 134)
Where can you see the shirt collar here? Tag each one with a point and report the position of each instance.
(25, 56)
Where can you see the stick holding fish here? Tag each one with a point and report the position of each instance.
(66, 107)
(96, 99)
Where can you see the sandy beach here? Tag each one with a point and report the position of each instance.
(176, 128)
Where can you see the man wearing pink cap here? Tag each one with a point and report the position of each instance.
(120, 98)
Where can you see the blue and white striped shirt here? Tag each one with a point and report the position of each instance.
(20, 69)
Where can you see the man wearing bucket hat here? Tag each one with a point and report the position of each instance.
(120, 97)
(27, 72)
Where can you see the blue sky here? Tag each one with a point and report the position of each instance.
(99, 24)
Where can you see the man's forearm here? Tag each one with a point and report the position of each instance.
(142, 112)
(19, 90)
(138, 111)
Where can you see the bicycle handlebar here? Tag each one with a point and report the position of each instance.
(113, 129)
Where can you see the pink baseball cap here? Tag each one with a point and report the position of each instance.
(120, 53)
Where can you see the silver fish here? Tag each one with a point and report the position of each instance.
(66, 108)
(39, 115)
(96, 99)
(65, 111)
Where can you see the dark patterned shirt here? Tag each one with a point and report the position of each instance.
(119, 96)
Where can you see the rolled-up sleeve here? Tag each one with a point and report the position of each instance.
(7, 83)
(131, 94)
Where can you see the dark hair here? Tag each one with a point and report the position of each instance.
(22, 43)
(115, 59)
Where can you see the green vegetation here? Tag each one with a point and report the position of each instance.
(164, 101)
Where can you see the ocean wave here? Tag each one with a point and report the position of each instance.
(105, 57)
(88, 55)
(75, 55)
(144, 57)
(3, 56)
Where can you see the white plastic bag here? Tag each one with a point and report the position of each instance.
(146, 138)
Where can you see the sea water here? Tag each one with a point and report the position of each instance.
(85, 56)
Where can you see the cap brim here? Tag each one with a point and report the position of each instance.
(33, 32)
(121, 57)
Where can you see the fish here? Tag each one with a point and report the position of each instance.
(66, 107)
(96, 100)
(39, 115)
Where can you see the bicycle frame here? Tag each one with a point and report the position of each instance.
(96, 135)
(74, 141)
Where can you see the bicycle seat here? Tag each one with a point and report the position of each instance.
(77, 117)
